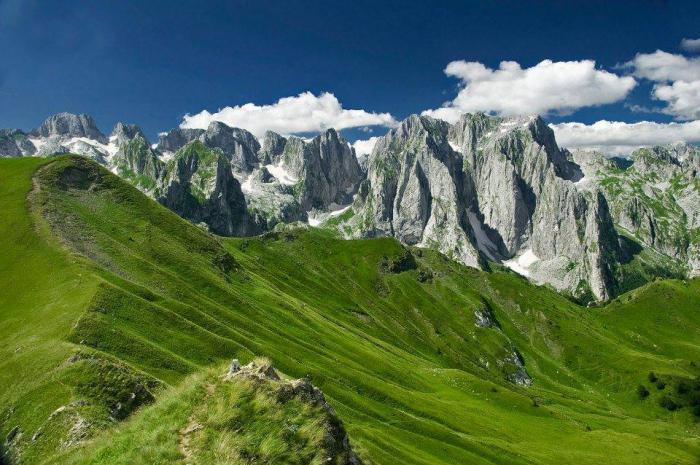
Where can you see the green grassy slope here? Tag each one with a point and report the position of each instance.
(147, 299)
(212, 419)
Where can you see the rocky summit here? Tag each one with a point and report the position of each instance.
(485, 191)
(490, 189)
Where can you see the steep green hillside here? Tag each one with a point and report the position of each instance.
(110, 302)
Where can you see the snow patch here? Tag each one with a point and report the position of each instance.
(340, 210)
(166, 156)
(483, 242)
(108, 149)
(38, 142)
(247, 185)
(282, 175)
(316, 217)
(522, 263)
(584, 183)
(455, 147)
(521, 121)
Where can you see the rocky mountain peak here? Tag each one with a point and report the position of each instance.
(239, 144)
(14, 143)
(488, 187)
(138, 163)
(70, 125)
(124, 132)
(175, 139)
(200, 186)
(272, 148)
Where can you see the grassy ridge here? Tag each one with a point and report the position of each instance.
(398, 355)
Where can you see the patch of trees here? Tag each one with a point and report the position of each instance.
(676, 392)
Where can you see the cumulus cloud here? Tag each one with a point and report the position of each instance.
(364, 147)
(614, 137)
(305, 112)
(683, 99)
(559, 87)
(690, 45)
(677, 81)
(662, 66)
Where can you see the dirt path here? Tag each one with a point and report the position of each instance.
(192, 427)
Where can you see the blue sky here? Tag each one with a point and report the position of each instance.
(153, 62)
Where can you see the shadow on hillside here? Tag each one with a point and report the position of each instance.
(630, 249)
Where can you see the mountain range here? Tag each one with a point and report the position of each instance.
(486, 191)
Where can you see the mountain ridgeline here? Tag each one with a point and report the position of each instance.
(483, 191)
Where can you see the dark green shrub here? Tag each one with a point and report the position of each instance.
(696, 410)
(652, 377)
(660, 385)
(668, 403)
(400, 263)
(425, 275)
(642, 392)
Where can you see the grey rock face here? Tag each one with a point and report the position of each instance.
(85, 149)
(330, 171)
(515, 365)
(363, 161)
(240, 145)
(489, 188)
(290, 177)
(14, 143)
(52, 146)
(272, 148)
(484, 318)
(234, 367)
(655, 197)
(418, 192)
(325, 168)
(274, 206)
(175, 139)
(511, 160)
(70, 125)
(524, 185)
(123, 133)
(136, 162)
(200, 187)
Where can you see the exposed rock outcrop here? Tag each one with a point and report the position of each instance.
(175, 139)
(335, 444)
(138, 163)
(70, 125)
(238, 144)
(324, 168)
(14, 143)
(417, 191)
(123, 133)
(200, 186)
(655, 197)
(489, 188)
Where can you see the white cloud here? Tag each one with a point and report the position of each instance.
(364, 147)
(305, 112)
(690, 45)
(683, 99)
(662, 66)
(677, 81)
(614, 137)
(549, 86)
